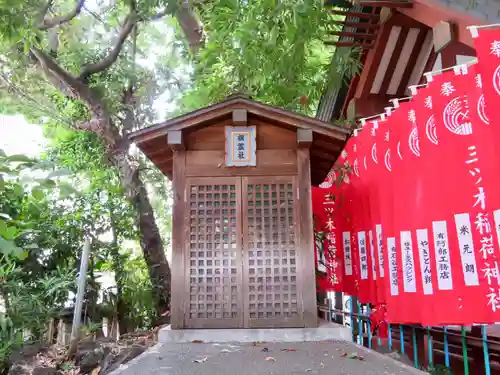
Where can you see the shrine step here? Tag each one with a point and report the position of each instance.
(326, 331)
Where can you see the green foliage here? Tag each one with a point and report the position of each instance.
(21, 197)
(137, 293)
(439, 370)
(29, 292)
(271, 50)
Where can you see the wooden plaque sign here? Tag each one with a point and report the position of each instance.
(241, 146)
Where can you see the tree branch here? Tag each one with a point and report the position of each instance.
(69, 84)
(48, 23)
(92, 125)
(44, 11)
(106, 62)
(159, 15)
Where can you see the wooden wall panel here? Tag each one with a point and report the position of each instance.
(268, 137)
(269, 162)
(305, 245)
(178, 241)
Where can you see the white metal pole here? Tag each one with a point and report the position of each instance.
(80, 293)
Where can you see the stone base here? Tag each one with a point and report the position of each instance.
(326, 331)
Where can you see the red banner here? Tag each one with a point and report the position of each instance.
(416, 221)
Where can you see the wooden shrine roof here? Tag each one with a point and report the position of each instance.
(327, 143)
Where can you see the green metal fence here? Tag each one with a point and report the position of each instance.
(438, 350)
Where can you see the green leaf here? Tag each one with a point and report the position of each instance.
(18, 190)
(4, 216)
(38, 194)
(2, 153)
(11, 233)
(47, 183)
(8, 247)
(20, 253)
(59, 173)
(3, 228)
(31, 246)
(67, 190)
(19, 158)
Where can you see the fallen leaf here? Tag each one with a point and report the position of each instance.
(226, 351)
(355, 356)
(322, 365)
(344, 355)
(270, 359)
(264, 350)
(197, 342)
(309, 369)
(289, 350)
(200, 360)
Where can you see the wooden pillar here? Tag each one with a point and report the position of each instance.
(306, 231)
(178, 294)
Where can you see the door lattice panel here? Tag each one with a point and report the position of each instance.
(214, 260)
(271, 253)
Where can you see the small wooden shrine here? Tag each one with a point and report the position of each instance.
(242, 238)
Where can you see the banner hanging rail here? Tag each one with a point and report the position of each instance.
(395, 102)
(474, 29)
(363, 120)
(429, 75)
(413, 88)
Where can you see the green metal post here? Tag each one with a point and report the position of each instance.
(464, 351)
(446, 349)
(389, 329)
(369, 326)
(415, 349)
(351, 315)
(401, 339)
(360, 324)
(330, 317)
(487, 369)
(429, 345)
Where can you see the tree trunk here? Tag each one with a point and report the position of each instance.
(191, 26)
(150, 239)
(121, 305)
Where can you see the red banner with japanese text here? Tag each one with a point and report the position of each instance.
(373, 184)
(487, 45)
(419, 210)
(386, 207)
(465, 249)
(361, 216)
(401, 257)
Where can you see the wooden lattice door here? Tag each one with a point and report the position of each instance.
(213, 253)
(270, 257)
(241, 257)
